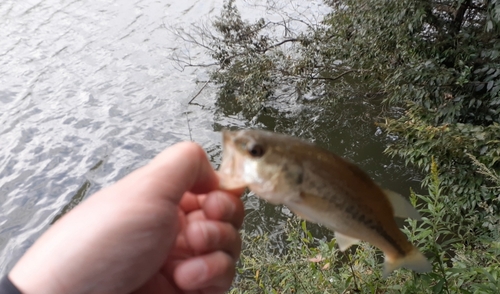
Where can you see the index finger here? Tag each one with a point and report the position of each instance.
(191, 201)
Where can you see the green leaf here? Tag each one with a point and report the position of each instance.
(438, 288)
(490, 85)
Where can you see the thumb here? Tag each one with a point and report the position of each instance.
(179, 168)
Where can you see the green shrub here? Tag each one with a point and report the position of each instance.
(458, 149)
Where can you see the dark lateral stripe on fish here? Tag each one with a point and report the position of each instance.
(374, 226)
(391, 241)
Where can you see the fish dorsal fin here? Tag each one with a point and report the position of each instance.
(344, 241)
(402, 208)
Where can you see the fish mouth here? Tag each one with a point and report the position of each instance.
(231, 168)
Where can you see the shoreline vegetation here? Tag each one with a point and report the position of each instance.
(438, 63)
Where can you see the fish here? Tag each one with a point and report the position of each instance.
(321, 187)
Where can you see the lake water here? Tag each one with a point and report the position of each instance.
(89, 92)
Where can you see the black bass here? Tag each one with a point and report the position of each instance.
(323, 188)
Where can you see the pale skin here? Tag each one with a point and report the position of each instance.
(165, 228)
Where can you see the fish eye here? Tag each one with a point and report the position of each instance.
(256, 150)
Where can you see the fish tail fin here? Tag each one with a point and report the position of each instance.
(414, 260)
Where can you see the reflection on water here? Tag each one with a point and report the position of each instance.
(88, 93)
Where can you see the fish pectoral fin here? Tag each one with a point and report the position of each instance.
(299, 210)
(344, 241)
(302, 216)
(402, 208)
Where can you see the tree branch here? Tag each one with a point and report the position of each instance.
(458, 17)
(279, 44)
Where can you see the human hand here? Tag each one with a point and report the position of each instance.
(164, 228)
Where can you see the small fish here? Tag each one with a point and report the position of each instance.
(323, 188)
